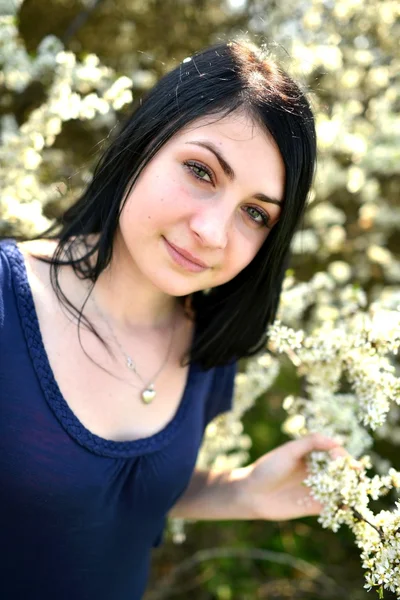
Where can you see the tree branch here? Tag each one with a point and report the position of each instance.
(165, 587)
(79, 21)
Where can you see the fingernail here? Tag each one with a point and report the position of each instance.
(337, 453)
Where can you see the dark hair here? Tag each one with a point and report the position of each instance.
(232, 319)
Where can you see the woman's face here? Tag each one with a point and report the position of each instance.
(204, 205)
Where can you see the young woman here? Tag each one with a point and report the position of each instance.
(120, 332)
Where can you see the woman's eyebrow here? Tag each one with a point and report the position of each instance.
(227, 169)
(229, 172)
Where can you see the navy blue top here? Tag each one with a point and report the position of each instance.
(79, 514)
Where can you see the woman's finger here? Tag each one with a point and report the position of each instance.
(337, 452)
(313, 442)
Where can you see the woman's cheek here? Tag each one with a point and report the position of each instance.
(244, 250)
(180, 197)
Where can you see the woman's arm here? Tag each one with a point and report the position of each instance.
(214, 495)
(271, 488)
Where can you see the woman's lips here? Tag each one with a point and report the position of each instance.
(184, 259)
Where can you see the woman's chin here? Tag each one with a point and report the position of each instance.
(179, 289)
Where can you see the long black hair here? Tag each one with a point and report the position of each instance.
(231, 319)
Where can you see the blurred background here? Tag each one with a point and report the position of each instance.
(61, 98)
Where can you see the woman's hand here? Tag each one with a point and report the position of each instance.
(273, 485)
(271, 488)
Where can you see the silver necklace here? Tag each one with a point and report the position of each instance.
(147, 391)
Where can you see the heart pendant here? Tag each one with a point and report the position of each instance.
(148, 394)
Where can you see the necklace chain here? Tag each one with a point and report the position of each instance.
(148, 392)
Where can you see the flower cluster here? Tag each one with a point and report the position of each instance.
(345, 489)
(349, 49)
(225, 444)
(76, 90)
(347, 364)
(345, 358)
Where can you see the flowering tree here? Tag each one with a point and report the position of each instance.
(339, 321)
(341, 328)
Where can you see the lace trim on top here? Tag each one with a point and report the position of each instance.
(52, 393)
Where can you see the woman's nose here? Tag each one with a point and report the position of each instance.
(211, 225)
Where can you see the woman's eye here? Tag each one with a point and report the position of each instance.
(258, 216)
(199, 171)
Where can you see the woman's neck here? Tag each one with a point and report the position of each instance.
(128, 299)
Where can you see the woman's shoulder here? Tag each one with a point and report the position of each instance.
(34, 267)
(33, 250)
(38, 271)
(221, 398)
(11, 264)
(17, 275)
(4, 269)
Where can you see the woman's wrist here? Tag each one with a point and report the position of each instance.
(242, 495)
